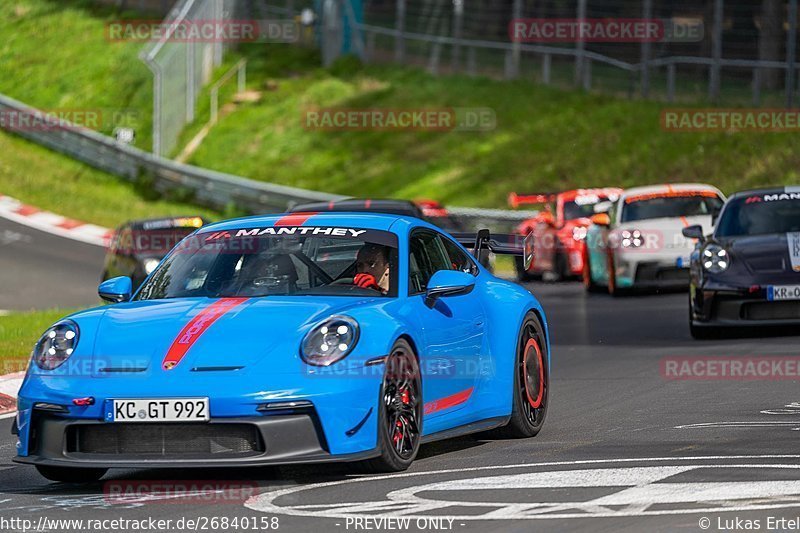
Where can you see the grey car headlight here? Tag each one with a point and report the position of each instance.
(329, 341)
(56, 345)
(715, 258)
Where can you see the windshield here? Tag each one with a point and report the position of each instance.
(670, 206)
(759, 215)
(255, 262)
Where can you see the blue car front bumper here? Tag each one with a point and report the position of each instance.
(332, 419)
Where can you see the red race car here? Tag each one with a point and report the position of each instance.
(559, 230)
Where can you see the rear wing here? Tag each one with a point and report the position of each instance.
(515, 200)
(499, 243)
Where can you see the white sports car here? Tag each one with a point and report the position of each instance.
(636, 242)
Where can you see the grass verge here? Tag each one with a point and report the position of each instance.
(19, 331)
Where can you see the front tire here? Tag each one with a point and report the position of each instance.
(66, 474)
(588, 281)
(399, 412)
(702, 333)
(531, 382)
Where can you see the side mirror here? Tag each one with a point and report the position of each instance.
(603, 207)
(693, 232)
(116, 290)
(601, 219)
(448, 283)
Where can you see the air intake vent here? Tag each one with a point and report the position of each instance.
(163, 440)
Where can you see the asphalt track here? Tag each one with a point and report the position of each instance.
(623, 448)
(43, 271)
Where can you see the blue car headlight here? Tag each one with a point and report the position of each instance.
(56, 345)
(329, 341)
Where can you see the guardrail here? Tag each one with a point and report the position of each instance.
(207, 187)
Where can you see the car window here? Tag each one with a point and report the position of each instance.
(459, 260)
(288, 261)
(427, 256)
(685, 204)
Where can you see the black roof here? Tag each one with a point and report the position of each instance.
(766, 190)
(391, 207)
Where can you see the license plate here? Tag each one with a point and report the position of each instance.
(783, 292)
(158, 410)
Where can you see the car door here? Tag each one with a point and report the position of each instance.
(453, 329)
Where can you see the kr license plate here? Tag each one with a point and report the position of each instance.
(783, 292)
(158, 410)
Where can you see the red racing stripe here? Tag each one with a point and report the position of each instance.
(195, 328)
(295, 219)
(448, 401)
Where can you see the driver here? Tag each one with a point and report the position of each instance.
(372, 268)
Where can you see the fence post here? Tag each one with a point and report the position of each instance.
(579, 44)
(458, 19)
(791, 52)
(516, 13)
(546, 63)
(400, 26)
(189, 48)
(716, 52)
(370, 47)
(587, 74)
(647, 14)
(472, 67)
(433, 61)
(756, 86)
(671, 82)
(242, 77)
(290, 8)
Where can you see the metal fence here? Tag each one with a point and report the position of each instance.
(745, 51)
(181, 68)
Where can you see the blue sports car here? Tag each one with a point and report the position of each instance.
(296, 338)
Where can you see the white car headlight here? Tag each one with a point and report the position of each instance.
(56, 345)
(579, 233)
(329, 341)
(715, 258)
(150, 265)
(632, 238)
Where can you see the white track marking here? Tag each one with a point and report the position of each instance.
(742, 424)
(46, 222)
(638, 497)
(10, 384)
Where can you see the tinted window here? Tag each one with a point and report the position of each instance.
(669, 207)
(573, 210)
(247, 263)
(427, 257)
(458, 259)
(758, 217)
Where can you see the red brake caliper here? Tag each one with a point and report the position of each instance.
(398, 430)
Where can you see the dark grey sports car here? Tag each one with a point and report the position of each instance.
(747, 272)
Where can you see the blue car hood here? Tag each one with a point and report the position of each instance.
(264, 332)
